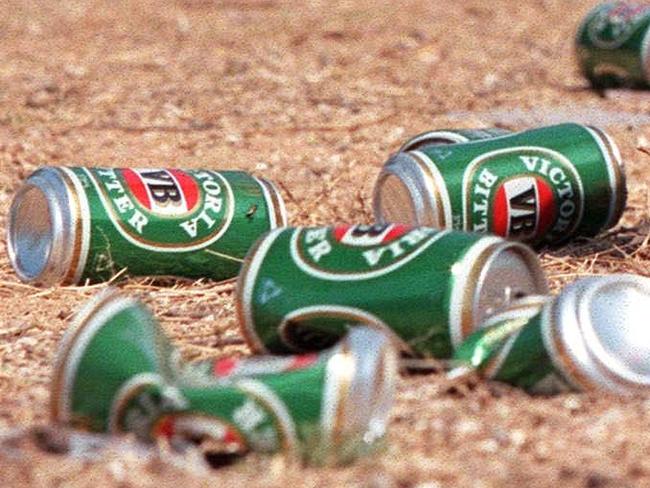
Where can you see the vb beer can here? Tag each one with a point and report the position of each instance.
(69, 225)
(592, 336)
(612, 45)
(301, 288)
(451, 136)
(117, 372)
(538, 186)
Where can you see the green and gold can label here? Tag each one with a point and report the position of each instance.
(362, 251)
(188, 223)
(302, 288)
(523, 193)
(540, 186)
(166, 209)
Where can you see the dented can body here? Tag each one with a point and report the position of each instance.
(442, 137)
(592, 336)
(510, 348)
(612, 45)
(117, 372)
(113, 342)
(302, 288)
(341, 400)
(538, 186)
(227, 368)
(70, 224)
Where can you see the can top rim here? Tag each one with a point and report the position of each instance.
(432, 137)
(524, 307)
(425, 202)
(504, 265)
(30, 230)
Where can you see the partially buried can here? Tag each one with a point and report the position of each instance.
(451, 136)
(117, 372)
(593, 335)
(300, 288)
(612, 45)
(538, 186)
(68, 225)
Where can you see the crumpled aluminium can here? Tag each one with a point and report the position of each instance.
(593, 336)
(117, 372)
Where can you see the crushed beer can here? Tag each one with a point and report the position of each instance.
(593, 336)
(117, 372)
(612, 45)
(538, 186)
(451, 136)
(68, 225)
(300, 288)
(337, 407)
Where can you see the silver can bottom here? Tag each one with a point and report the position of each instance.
(30, 232)
(40, 233)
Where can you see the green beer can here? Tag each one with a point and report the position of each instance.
(592, 336)
(117, 372)
(612, 45)
(451, 136)
(538, 186)
(300, 288)
(68, 225)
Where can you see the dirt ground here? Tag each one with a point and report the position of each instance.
(313, 95)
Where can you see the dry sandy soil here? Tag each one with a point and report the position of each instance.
(313, 95)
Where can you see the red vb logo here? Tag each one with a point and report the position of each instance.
(166, 192)
(523, 193)
(165, 209)
(358, 251)
(523, 208)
